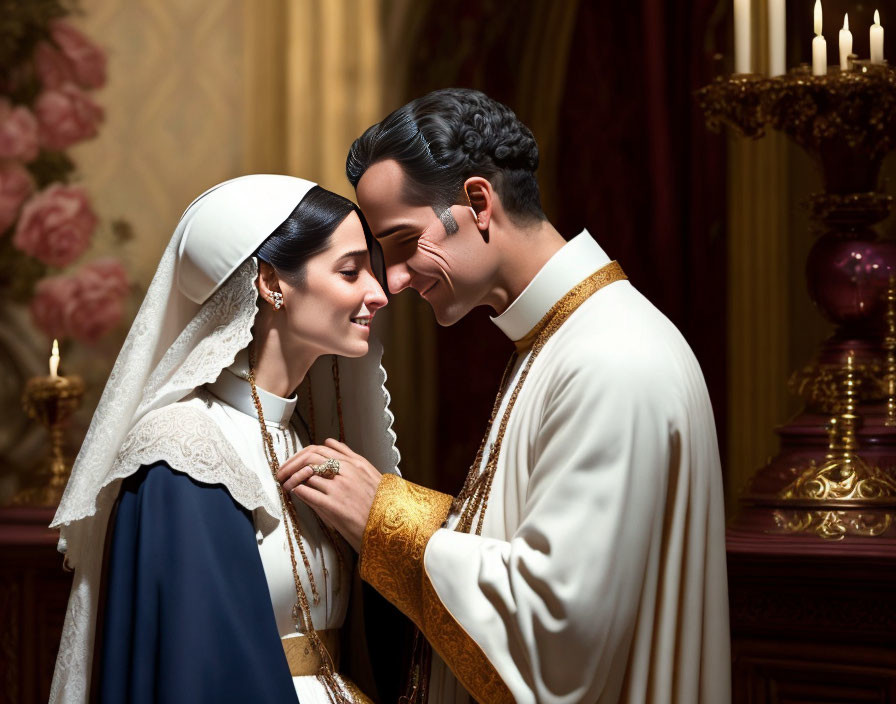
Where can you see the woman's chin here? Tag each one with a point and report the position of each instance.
(357, 349)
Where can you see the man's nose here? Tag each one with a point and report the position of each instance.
(397, 277)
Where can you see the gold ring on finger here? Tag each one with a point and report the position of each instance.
(327, 470)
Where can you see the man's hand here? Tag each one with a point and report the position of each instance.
(342, 501)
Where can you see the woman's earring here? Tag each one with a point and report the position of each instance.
(277, 300)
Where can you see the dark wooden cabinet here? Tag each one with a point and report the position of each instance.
(812, 622)
(34, 592)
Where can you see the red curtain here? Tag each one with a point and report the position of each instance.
(635, 165)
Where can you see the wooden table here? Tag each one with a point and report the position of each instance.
(33, 595)
(812, 621)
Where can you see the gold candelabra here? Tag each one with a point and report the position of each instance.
(836, 473)
(50, 400)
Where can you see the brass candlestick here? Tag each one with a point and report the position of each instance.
(834, 478)
(50, 401)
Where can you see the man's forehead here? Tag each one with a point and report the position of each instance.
(381, 185)
(383, 199)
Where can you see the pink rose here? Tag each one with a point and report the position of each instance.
(85, 306)
(52, 66)
(18, 132)
(55, 225)
(107, 273)
(51, 306)
(103, 286)
(71, 58)
(66, 115)
(16, 185)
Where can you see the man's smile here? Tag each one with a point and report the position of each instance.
(430, 288)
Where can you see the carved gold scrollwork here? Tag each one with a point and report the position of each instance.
(834, 525)
(837, 479)
(840, 480)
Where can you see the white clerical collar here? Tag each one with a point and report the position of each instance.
(572, 264)
(232, 387)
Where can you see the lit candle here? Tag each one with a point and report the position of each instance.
(777, 42)
(845, 43)
(742, 60)
(819, 46)
(877, 40)
(54, 360)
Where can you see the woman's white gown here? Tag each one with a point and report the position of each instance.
(229, 401)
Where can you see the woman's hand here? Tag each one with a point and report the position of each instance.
(342, 501)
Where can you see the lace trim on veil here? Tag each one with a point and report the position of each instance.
(208, 343)
(184, 436)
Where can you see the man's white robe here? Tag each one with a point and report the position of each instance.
(600, 572)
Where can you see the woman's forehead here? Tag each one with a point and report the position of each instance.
(348, 236)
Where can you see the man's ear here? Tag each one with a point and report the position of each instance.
(268, 281)
(481, 197)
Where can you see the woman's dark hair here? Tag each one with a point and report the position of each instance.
(444, 138)
(307, 231)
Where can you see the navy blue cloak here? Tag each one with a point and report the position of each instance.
(185, 611)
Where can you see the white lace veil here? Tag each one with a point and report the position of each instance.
(197, 315)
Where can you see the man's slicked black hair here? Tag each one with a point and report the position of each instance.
(445, 137)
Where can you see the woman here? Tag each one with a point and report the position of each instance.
(196, 579)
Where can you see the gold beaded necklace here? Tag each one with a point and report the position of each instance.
(473, 497)
(301, 610)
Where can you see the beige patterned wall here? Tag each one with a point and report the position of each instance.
(202, 91)
(175, 112)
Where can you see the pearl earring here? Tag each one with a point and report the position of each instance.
(277, 300)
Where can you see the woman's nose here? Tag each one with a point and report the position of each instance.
(375, 298)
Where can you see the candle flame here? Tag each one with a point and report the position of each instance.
(818, 17)
(54, 360)
(876, 17)
(846, 22)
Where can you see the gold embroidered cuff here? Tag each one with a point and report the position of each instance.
(402, 520)
(460, 652)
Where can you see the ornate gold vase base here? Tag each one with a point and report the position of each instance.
(846, 494)
(838, 499)
(50, 401)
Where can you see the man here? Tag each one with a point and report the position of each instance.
(584, 558)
